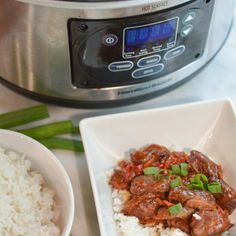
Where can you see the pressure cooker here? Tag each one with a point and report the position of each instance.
(97, 53)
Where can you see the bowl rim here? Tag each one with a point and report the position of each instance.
(60, 167)
(86, 122)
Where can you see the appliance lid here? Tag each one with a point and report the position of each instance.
(155, 5)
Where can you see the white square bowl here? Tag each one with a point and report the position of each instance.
(209, 127)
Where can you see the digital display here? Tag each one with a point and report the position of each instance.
(158, 34)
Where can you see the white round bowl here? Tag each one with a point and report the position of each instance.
(45, 162)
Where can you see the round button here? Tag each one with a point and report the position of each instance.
(149, 61)
(120, 66)
(174, 52)
(147, 71)
(110, 39)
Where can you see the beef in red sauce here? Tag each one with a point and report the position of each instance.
(141, 184)
(147, 184)
(194, 197)
(209, 223)
(200, 163)
(119, 180)
(143, 207)
(182, 224)
(153, 154)
(226, 199)
(164, 214)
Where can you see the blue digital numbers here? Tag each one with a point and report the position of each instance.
(143, 34)
(154, 33)
(131, 36)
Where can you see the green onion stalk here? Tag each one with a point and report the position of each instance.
(50, 130)
(23, 116)
(63, 143)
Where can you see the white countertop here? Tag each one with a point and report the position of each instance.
(216, 80)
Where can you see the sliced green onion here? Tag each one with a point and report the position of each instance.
(176, 182)
(23, 116)
(175, 169)
(198, 186)
(152, 170)
(192, 180)
(176, 209)
(201, 177)
(183, 169)
(214, 187)
(50, 130)
(63, 143)
(199, 181)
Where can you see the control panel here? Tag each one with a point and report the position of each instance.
(151, 38)
(108, 53)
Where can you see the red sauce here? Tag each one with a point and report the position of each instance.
(152, 196)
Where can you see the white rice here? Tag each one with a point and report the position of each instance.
(27, 207)
(130, 226)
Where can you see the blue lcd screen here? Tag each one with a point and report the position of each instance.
(154, 33)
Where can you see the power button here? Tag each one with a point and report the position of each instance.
(110, 39)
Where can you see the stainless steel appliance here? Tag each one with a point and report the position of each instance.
(92, 53)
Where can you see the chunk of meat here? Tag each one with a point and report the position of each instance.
(161, 186)
(182, 224)
(182, 194)
(147, 184)
(154, 153)
(180, 220)
(227, 199)
(195, 199)
(199, 163)
(141, 184)
(144, 207)
(209, 223)
(164, 214)
(199, 203)
(119, 180)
